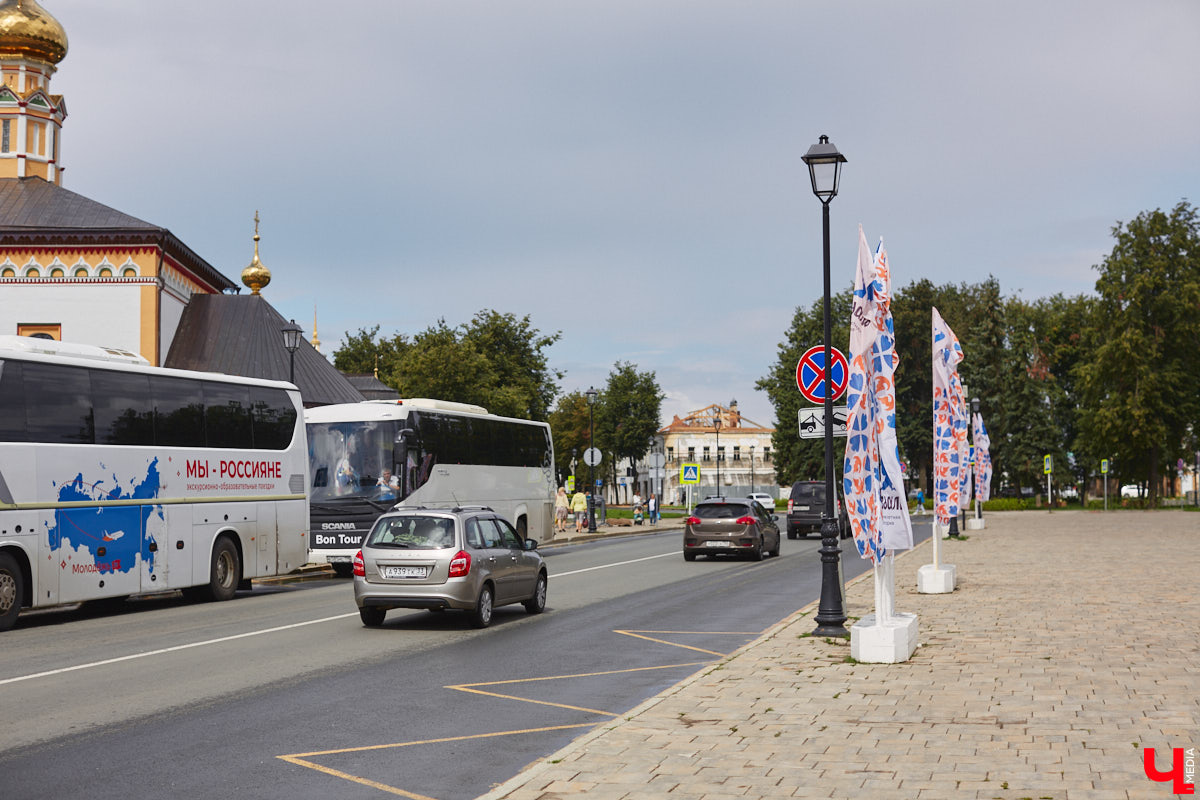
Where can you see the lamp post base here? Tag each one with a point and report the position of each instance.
(831, 615)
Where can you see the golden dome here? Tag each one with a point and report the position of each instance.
(256, 275)
(28, 31)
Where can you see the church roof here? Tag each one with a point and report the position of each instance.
(37, 213)
(240, 335)
(371, 387)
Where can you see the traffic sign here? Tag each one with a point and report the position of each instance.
(689, 473)
(812, 422)
(1104, 466)
(655, 460)
(1047, 464)
(810, 374)
(570, 483)
(591, 456)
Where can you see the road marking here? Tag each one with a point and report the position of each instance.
(617, 564)
(638, 635)
(176, 648)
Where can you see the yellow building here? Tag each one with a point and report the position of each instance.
(719, 436)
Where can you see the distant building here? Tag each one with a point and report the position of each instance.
(76, 270)
(718, 434)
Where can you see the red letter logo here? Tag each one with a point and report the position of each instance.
(1175, 775)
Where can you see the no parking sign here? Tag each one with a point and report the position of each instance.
(810, 374)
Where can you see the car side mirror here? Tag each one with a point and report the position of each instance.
(531, 544)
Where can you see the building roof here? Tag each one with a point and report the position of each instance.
(37, 213)
(704, 421)
(240, 335)
(371, 387)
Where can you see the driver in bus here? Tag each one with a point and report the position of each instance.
(389, 485)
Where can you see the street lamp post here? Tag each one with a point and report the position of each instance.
(717, 428)
(292, 333)
(824, 170)
(751, 469)
(591, 398)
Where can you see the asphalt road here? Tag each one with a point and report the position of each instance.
(282, 693)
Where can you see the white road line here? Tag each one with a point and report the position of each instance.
(171, 649)
(617, 564)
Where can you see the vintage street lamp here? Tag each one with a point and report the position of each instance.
(825, 170)
(591, 397)
(292, 333)
(751, 469)
(717, 428)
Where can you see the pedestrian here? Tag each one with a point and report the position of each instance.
(562, 505)
(652, 506)
(579, 506)
(921, 502)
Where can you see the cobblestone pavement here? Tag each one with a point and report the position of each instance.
(1070, 644)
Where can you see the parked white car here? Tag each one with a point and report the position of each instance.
(765, 499)
(1130, 490)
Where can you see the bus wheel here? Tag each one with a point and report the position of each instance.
(343, 570)
(12, 589)
(225, 572)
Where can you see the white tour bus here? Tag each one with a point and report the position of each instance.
(118, 478)
(439, 454)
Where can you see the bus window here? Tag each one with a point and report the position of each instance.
(60, 400)
(124, 408)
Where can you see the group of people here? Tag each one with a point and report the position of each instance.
(577, 504)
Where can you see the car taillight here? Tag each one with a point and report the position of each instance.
(460, 565)
(360, 569)
(692, 521)
(746, 520)
(790, 501)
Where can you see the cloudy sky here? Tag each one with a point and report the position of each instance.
(628, 172)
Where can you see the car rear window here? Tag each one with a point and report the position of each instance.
(722, 510)
(808, 491)
(414, 532)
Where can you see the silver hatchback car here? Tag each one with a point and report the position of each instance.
(467, 558)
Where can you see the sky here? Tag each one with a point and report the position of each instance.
(628, 172)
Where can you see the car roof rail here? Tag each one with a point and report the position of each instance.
(474, 508)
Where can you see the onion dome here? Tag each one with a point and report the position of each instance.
(28, 31)
(256, 275)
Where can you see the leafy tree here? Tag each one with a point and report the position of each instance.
(440, 365)
(363, 354)
(627, 414)
(523, 385)
(569, 428)
(1141, 405)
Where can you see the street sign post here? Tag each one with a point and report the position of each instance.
(1048, 467)
(812, 421)
(1104, 480)
(810, 374)
(689, 474)
(591, 457)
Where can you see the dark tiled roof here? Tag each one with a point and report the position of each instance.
(240, 335)
(371, 387)
(37, 213)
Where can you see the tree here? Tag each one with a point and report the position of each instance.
(523, 385)
(363, 354)
(627, 413)
(569, 428)
(1141, 405)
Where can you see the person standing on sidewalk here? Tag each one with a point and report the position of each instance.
(562, 505)
(579, 506)
(652, 507)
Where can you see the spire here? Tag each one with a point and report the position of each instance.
(316, 343)
(256, 275)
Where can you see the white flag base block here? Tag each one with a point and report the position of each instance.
(974, 524)
(888, 643)
(936, 580)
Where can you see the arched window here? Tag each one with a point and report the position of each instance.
(57, 272)
(81, 272)
(129, 272)
(105, 272)
(33, 272)
(8, 272)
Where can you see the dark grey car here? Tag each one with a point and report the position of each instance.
(466, 558)
(731, 526)
(806, 506)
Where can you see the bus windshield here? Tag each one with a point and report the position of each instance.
(353, 460)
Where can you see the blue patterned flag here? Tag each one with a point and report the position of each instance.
(949, 422)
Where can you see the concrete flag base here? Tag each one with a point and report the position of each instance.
(890, 642)
(939, 579)
(974, 524)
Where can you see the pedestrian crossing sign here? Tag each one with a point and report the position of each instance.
(689, 473)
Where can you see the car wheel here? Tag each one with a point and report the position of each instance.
(371, 616)
(791, 534)
(537, 603)
(688, 556)
(481, 615)
(757, 555)
(775, 552)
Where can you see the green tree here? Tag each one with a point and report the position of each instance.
(440, 365)
(627, 414)
(569, 428)
(523, 385)
(1141, 405)
(363, 353)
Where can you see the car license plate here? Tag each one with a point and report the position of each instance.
(801, 508)
(393, 573)
(714, 544)
(338, 559)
